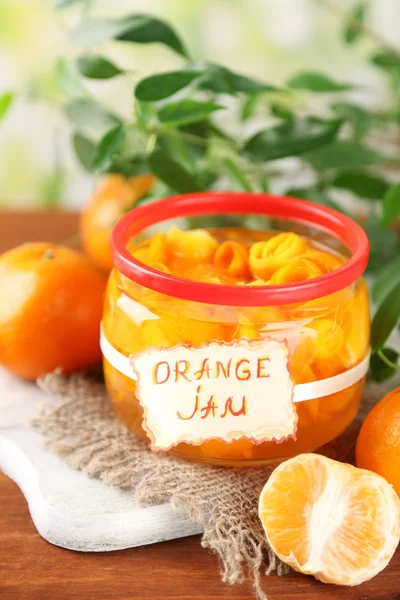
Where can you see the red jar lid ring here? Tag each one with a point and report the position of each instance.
(211, 203)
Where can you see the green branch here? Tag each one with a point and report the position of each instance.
(364, 29)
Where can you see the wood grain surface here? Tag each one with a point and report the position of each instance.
(33, 569)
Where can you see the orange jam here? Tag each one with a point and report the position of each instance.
(326, 336)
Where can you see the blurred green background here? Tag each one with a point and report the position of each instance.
(268, 38)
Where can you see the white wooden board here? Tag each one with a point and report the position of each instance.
(68, 508)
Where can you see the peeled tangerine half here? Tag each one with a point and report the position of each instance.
(330, 519)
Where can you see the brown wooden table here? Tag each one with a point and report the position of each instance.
(33, 569)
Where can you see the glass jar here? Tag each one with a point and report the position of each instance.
(285, 363)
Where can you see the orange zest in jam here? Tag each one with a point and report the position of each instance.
(326, 336)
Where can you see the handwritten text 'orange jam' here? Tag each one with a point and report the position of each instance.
(242, 370)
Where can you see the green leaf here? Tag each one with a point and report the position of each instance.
(380, 368)
(146, 29)
(221, 134)
(128, 166)
(88, 114)
(6, 100)
(264, 183)
(249, 106)
(389, 61)
(290, 138)
(201, 132)
(130, 158)
(163, 85)
(221, 80)
(66, 77)
(177, 147)
(281, 112)
(109, 145)
(316, 82)
(141, 29)
(383, 243)
(97, 67)
(359, 118)
(186, 111)
(386, 60)
(136, 140)
(236, 175)
(387, 279)
(146, 113)
(207, 178)
(342, 154)
(172, 173)
(84, 150)
(385, 319)
(391, 206)
(352, 29)
(362, 184)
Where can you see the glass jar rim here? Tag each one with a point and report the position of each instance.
(305, 212)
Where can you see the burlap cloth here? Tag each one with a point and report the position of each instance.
(78, 424)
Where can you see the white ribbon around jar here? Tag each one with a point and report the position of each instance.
(302, 391)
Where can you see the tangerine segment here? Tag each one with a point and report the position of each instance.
(329, 519)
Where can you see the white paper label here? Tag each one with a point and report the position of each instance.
(220, 391)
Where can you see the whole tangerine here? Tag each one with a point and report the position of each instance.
(378, 444)
(113, 196)
(50, 310)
